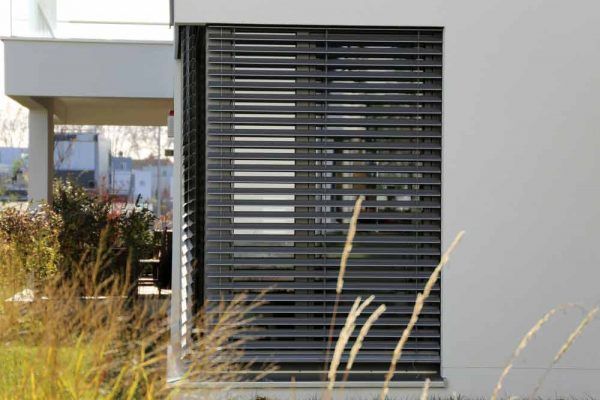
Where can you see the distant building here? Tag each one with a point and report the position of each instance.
(122, 179)
(83, 158)
(142, 185)
(148, 184)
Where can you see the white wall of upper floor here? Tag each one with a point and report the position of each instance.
(520, 173)
(36, 17)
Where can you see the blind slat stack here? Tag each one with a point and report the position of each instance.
(192, 43)
(300, 121)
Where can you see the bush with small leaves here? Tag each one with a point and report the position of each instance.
(31, 237)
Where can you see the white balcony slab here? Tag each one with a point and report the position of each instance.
(86, 68)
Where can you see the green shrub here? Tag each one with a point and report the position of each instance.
(84, 218)
(32, 240)
(133, 227)
(77, 229)
(90, 219)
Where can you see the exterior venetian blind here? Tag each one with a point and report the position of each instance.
(193, 56)
(300, 121)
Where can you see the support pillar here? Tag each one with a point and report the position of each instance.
(41, 154)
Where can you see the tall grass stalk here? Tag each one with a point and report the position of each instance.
(565, 347)
(340, 280)
(293, 386)
(364, 331)
(346, 332)
(349, 243)
(527, 338)
(418, 307)
(425, 391)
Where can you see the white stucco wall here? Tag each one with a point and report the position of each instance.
(521, 166)
(87, 68)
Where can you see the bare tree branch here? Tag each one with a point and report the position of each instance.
(13, 126)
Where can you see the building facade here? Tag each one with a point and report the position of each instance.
(84, 158)
(446, 116)
(123, 180)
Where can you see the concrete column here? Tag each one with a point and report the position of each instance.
(41, 154)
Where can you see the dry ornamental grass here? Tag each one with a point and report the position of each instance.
(85, 338)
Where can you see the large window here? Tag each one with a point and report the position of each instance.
(291, 125)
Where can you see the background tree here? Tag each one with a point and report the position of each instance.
(13, 125)
(137, 142)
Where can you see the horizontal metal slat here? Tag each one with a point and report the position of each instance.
(348, 122)
(328, 97)
(320, 358)
(348, 110)
(396, 251)
(322, 191)
(300, 36)
(357, 74)
(323, 202)
(382, 321)
(341, 311)
(361, 372)
(330, 50)
(351, 86)
(228, 155)
(387, 168)
(323, 312)
(323, 298)
(347, 63)
(323, 239)
(281, 273)
(324, 180)
(322, 145)
(329, 262)
(367, 287)
(365, 215)
(325, 227)
(318, 345)
(375, 332)
(327, 133)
